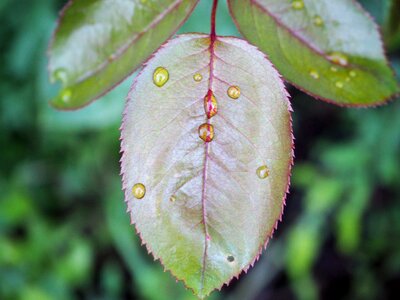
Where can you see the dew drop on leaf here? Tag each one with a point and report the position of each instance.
(230, 258)
(210, 105)
(206, 132)
(60, 75)
(160, 76)
(334, 69)
(66, 95)
(314, 74)
(338, 58)
(262, 172)
(298, 4)
(318, 21)
(234, 92)
(139, 190)
(197, 77)
(172, 198)
(339, 84)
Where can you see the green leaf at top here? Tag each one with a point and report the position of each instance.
(206, 209)
(99, 43)
(330, 49)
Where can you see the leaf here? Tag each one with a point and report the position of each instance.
(393, 25)
(98, 43)
(201, 209)
(330, 49)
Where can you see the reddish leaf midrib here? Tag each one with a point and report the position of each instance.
(211, 49)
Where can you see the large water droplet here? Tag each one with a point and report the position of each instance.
(262, 172)
(318, 21)
(160, 76)
(139, 190)
(234, 92)
(314, 74)
(210, 105)
(339, 84)
(197, 77)
(66, 95)
(206, 132)
(338, 58)
(60, 75)
(298, 4)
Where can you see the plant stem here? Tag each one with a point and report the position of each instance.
(213, 17)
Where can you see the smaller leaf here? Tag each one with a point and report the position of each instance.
(330, 49)
(99, 43)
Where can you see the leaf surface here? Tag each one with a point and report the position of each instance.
(206, 214)
(99, 43)
(330, 49)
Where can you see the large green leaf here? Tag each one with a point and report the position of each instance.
(206, 213)
(98, 43)
(330, 49)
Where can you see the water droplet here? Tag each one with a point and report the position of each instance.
(348, 79)
(197, 77)
(353, 73)
(234, 92)
(160, 76)
(60, 75)
(338, 58)
(206, 132)
(314, 74)
(318, 21)
(172, 198)
(298, 4)
(139, 190)
(210, 104)
(112, 57)
(66, 95)
(339, 84)
(334, 69)
(230, 258)
(262, 172)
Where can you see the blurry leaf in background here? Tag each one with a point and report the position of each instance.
(330, 49)
(97, 44)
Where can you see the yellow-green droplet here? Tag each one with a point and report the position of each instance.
(348, 79)
(234, 92)
(314, 74)
(339, 84)
(160, 76)
(139, 190)
(60, 75)
(338, 58)
(172, 198)
(353, 73)
(262, 172)
(66, 95)
(206, 132)
(334, 69)
(318, 21)
(197, 77)
(298, 4)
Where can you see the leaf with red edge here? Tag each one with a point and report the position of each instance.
(330, 49)
(206, 209)
(99, 43)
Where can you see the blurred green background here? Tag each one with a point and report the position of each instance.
(64, 232)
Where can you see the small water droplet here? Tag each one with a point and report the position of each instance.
(234, 92)
(197, 77)
(314, 74)
(210, 104)
(339, 84)
(66, 95)
(139, 190)
(112, 57)
(160, 76)
(353, 73)
(318, 21)
(172, 198)
(334, 69)
(60, 75)
(262, 172)
(230, 258)
(206, 132)
(338, 58)
(298, 4)
(348, 79)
